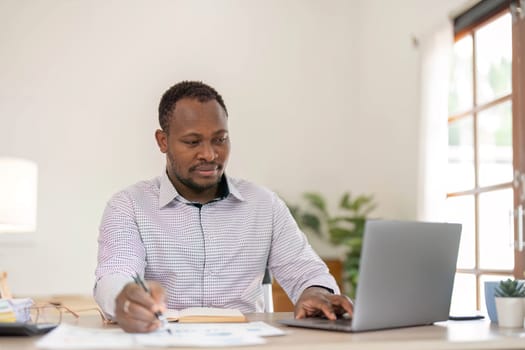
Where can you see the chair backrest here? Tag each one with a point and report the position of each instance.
(267, 291)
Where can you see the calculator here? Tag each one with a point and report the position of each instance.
(25, 329)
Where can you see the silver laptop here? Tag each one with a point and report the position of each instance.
(406, 277)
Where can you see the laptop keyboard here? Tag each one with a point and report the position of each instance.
(342, 324)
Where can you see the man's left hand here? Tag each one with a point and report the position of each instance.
(316, 301)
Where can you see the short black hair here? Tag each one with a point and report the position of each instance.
(185, 89)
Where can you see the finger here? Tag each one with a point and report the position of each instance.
(300, 312)
(154, 326)
(322, 306)
(343, 303)
(159, 296)
(137, 326)
(328, 311)
(312, 307)
(134, 303)
(126, 304)
(137, 295)
(340, 303)
(132, 310)
(303, 312)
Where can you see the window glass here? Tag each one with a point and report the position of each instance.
(461, 91)
(495, 145)
(461, 210)
(463, 294)
(494, 59)
(460, 172)
(496, 230)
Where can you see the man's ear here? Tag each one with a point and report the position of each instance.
(162, 140)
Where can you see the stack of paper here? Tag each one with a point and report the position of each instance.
(6, 312)
(186, 334)
(15, 310)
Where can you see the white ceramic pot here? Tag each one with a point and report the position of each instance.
(510, 312)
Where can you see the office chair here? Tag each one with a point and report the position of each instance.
(267, 291)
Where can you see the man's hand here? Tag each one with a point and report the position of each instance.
(316, 301)
(135, 309)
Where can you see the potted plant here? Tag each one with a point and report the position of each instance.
(510, 302)
(343, 227)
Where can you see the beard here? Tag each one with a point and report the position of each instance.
(188, 181)
(198, 188)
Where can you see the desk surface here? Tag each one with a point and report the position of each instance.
(443, 335)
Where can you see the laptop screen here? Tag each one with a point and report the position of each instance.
(406, 276)
(406, 273)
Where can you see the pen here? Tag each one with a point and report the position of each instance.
(138, 280)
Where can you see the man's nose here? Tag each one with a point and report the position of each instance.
(207, 152)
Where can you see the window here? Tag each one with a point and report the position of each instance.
(486, 147)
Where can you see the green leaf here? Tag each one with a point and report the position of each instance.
(345, 200)
(358, 221)
(355, 244)
(335, 220)
(317, 201)
(338, 234)
(510, 289)
(361, 201)
(351, 263)
(312, 222)
(344, 228)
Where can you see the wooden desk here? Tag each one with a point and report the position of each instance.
(445, 335)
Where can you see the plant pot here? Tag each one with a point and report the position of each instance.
(510, 312)
(490, 299)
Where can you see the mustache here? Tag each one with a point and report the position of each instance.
(206, 165)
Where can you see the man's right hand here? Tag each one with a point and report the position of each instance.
(135, 309)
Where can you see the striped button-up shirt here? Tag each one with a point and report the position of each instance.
(204, 255)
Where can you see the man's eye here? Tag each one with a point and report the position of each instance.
(191, 142)
(221, 140)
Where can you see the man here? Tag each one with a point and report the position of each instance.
(199, 237)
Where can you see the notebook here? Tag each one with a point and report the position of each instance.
(406, 277)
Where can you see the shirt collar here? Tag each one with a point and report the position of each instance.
(233, 190)
(168, 192)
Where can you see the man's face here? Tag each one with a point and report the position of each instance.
(197, 147)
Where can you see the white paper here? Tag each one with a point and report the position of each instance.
(198, 338)
(259, 329)
(19, 308)
(73, 337)
(183, 334)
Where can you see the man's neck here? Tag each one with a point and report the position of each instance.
(202, 197)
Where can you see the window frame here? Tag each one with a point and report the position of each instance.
(492, 10)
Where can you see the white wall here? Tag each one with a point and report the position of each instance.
(322, 95)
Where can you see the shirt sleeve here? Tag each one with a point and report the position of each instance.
(121, 252)
(292, 261)
(107, 289)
